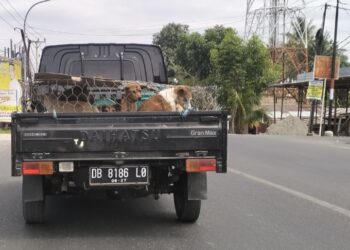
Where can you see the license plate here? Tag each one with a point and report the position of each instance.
(121, 175)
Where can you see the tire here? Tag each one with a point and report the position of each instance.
(33, 199)
(186, 210)
(34, 212)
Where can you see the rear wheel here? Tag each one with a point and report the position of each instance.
(33, 209)
(186, 210)
(34, 212)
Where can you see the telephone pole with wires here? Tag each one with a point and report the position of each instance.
(37, 45)
(319, 50)
(27, 49)
(331, 88)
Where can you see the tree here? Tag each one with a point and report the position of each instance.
(193, 54)
(327, 49)
(168, 39)
(243, 70)
(295, 41)
(215, 35)
(239, 69)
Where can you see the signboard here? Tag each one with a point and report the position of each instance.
(323, 67)
(8, 104)
(314, 91)
(7, 68)
(10, 88)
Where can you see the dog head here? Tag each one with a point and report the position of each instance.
(133, 92)
(183, 97)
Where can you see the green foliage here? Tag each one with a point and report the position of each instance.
(256, 117)
(241, 70)
(168, 39)
(294, 41)
(193, 55)
(215, 35)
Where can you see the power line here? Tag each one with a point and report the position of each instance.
(136, 31)
(346, 38)
(22, 18)
(341, 8)
(347, 12)
(9, 12)
(123, 34)
(6, 22)
(18, 14)
(344, 45)
(209, 26)
(87, 34)
(11, 16)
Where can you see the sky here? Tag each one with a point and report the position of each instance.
(135, 21)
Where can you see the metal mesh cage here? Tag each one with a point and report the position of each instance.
(65, 94)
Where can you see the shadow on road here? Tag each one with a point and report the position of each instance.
(92, 217)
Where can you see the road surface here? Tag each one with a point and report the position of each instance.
(279, 193)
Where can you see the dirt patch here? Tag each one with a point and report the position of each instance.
(289, 126)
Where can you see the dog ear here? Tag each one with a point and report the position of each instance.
(127, 88)
(183, 90)
(180, 90)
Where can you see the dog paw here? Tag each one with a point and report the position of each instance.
(179, 108)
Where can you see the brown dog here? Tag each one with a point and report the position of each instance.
(132, 95)
(177, 98)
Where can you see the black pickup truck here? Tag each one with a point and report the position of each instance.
(122, 154)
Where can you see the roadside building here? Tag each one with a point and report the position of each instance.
(289, 99)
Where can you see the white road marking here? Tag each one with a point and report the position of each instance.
(295, 193)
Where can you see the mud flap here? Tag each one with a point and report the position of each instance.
(197, 186)
(33, 188)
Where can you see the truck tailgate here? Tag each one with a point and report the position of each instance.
(110, 136)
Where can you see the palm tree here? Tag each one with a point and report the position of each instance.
(301, 44)
(296, 41)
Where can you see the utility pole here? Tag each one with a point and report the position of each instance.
(37, 44)
(11, 49)
(319, 47)
(331, 89)
(26, 49)
(284, 43)
(319, 34)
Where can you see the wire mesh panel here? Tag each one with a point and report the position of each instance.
(205, 98)
(66, 94)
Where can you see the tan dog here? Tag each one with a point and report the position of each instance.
(177, 98)
(132, 95)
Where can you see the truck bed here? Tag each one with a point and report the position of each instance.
(118, 136)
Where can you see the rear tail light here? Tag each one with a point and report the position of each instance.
(200, 165)
(37, 168)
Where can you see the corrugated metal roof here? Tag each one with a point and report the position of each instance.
(304, 78)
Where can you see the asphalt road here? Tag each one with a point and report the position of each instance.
(279, 193)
